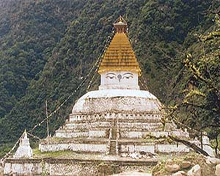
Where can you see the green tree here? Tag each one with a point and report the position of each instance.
(198, 100)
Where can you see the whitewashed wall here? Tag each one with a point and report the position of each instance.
(119, 80)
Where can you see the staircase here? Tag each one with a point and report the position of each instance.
(113, 140)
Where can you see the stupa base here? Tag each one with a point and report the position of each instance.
(80, 164)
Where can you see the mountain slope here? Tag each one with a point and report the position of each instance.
(29, 31)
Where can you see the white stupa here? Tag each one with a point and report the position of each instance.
(119, 117)
(24, 150)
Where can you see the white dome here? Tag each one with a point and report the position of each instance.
(117, 101)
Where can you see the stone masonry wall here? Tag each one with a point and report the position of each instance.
(101, 148)
(68, 167)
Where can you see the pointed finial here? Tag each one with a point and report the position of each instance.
(120, 25)
(25, 134)
(120, 18)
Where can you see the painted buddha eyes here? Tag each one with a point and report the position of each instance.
(111, 75)
(127, 75)
(119, 77)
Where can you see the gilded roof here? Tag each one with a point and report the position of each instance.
(119, 55)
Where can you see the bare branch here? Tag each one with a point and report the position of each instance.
(189, 144)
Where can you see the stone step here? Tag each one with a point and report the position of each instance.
(77, 133)
(88, 125)
(108, 125)
(140, 125)
(146, 120)
(112, 150)
(66, 130)
(104, 133)
(62, 134)
(121, 141)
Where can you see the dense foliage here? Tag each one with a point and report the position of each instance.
(198, 97)
(47, 48)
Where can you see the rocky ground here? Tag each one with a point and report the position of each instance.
(133, 173)
(188, 165)
(191, 164)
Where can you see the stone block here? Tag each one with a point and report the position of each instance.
(209, 150)
(214, 161)
(22, 168)
(217, 170)
(167, 148)
(158, 134)
(172, 167)
(179, 173)
(102, 148)
(97, 134)
(7, 168)
(195, 171)
(169, 162)
(185, 164)
(135, 134)
(149, 148)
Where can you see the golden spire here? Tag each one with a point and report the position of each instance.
(119, 56)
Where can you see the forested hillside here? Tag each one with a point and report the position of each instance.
(47, 48)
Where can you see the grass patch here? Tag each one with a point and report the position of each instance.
(59, 154)
(67, 154)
